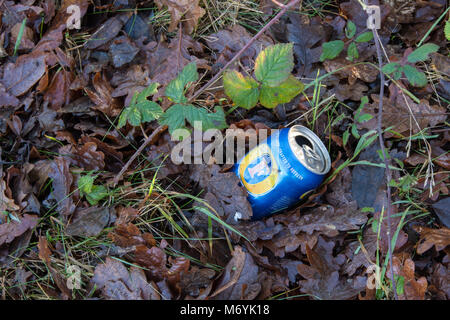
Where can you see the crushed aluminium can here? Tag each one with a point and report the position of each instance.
(282, 170)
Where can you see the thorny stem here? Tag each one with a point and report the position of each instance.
(383, 151)
(284, 8)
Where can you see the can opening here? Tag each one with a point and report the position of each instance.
(301, 141)
(309, 150)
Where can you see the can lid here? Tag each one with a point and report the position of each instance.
(309, 149)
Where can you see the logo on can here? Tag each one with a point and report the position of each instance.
(259, 171)
(284, 169)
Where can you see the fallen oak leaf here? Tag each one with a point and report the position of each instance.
(440, 238)
(412, 289)
(239, 279)
(117, 283)
(13, 229)
(322, 276)
(329, 221)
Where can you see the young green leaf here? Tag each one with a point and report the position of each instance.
(274, 64)
(208, 120)
(97, 193)
(364, 37)
(175, 117)
(242, 90)
(175, 88)
(149, 110)
(352, 52)
(141, 109)
(414, 76)
(421, 53)
(350, 29)
(85, 184)
(390, 67)
(272, 96)
(331, 50)
(134, 116)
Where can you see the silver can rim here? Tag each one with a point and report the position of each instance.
(297, 130)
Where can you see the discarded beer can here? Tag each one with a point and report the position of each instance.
(283, 169)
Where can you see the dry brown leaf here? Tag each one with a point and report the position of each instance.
(88, 222)
(329, 221)
(223, 193)
(397, 110)
(13, 229)
(116, 283)
(186, 11)
(44, 251)
(102, 96)
(239, 279)
(20, 76)
(62, 181)
(84, 156)
(413, 289)
(26, 41)
(322, 276)
(129, 235)
(58, 92)
(440, 238)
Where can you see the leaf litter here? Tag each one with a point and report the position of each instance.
(155, 235)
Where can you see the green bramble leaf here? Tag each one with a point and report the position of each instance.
(208, 120)
(175, 88)
(447, 30)
(140, 109)
(390, 67)
(364, 37)
(421, 53)
(272, 96)
(93, 193)
(134, 116)
(85, 184)
(274, 64)
(331, 50)
(123, 118)
(97, 193)
(352, 52)
(350, 29)
(149, 110)
(242, 90)
(176, 116)
(414, 76)
(397, 74)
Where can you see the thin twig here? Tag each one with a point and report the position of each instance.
(138, 152)
(383, 151)
(252, 40)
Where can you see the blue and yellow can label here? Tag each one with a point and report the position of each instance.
(258, 170)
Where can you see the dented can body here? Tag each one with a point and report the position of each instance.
(283, 169)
